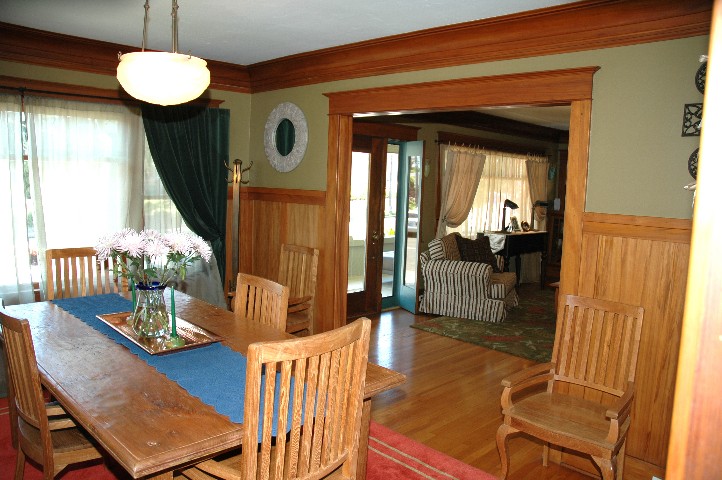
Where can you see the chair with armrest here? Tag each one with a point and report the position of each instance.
(45, 433)
(260, 300)
(316, 383)
(76, 272)
(582, 399)
(298, 267)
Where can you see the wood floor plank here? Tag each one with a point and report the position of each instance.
(450, 400)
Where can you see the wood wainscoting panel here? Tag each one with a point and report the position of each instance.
(271, 217)
(642, 261)
(268, 224)
(303, 224)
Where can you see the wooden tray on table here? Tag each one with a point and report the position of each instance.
(193, 335)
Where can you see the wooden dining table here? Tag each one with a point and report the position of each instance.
(148, 423)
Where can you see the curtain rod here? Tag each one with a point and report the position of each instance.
(23, 90)
(498, 148)
(209, 103)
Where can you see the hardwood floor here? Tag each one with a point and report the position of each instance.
(450, 400)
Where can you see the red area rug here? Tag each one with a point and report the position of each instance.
(95, 471)
(391, 457)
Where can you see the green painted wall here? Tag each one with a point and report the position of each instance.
(638, 158)
(637, 161)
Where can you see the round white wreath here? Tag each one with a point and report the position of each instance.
(290, 111)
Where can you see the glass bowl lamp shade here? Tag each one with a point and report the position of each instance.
(163, 78)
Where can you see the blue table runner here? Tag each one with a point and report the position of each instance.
(213, 373)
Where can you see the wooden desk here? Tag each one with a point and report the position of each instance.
(147, 422)
(517, 243)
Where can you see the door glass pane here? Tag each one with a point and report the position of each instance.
(412, 219)
(390, 206)
(358, 214)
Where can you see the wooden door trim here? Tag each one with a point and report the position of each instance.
(338, 191)
(572, 86)
(695, 437)
(559, 86)
(575, 197)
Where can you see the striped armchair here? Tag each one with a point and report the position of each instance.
(465, 289)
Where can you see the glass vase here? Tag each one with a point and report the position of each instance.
(150, 318)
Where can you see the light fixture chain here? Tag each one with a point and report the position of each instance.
(145, 26)
(174, 25)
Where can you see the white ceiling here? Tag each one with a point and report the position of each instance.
(245, 32)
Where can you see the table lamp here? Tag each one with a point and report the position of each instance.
(507, 204)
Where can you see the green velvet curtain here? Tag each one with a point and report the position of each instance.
(189, 146)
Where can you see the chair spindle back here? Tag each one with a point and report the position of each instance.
(597, 343)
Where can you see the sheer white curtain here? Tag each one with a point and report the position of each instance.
(504, 177)
(159, 212)
(87, 169)
(462, 168)
(16, 285)
(203, 279)
(88, 173)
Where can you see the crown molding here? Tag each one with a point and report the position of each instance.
(586, 25)
(48, 49)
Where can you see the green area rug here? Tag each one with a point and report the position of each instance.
(527, 332)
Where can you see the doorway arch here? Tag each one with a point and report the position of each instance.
(554, 87)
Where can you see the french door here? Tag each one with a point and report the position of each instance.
(366, 234)
(411, 156)
(383, 225)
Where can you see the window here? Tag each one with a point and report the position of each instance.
(71, 172)
(504, 177)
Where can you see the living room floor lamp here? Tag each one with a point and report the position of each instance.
(507, 204)
(163, 78)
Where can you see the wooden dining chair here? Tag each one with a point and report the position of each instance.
(315, 384)
(583, 397)
(297, 270)
(45, 433)
(9, 386)
(76, 272)
(260, 300)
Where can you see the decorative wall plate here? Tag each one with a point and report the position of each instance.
(692, 121)
(692, 163)
(285, 137)
(700, 77)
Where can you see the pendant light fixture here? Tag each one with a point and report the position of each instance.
(163, 78)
